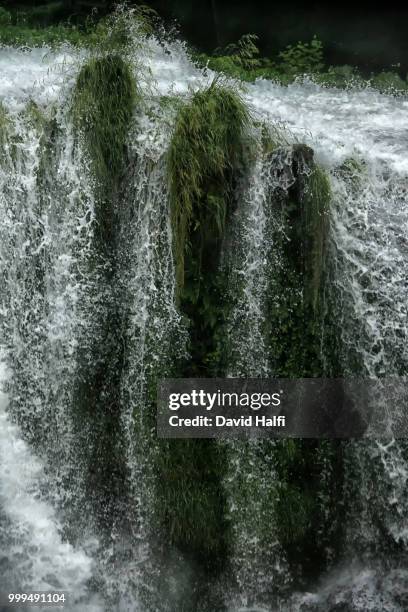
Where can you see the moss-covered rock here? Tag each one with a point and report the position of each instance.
(299, 223)
(103, 106)
(191, 503)
(308, 496)
(205, 151)
(308, 470)
(205, 155)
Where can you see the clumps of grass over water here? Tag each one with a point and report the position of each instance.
(205, 151)
(124, 30)
(205, 155)
(104, 100)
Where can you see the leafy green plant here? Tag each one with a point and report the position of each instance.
(244, 53)
(120, 30)
(302, 58)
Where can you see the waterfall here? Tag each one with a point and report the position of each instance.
(90, 319)
(34, 556)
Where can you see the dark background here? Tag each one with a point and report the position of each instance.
(365, 36)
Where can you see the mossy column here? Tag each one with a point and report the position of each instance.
(103, 105)
(309, 473)
(299, 215)
(104, 100)
(204, 159)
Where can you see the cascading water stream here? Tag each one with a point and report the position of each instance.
(34, 557)
(58, 299)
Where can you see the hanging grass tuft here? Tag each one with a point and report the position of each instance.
(206, 148)
(104, 100)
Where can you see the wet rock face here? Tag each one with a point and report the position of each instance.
(289, 166)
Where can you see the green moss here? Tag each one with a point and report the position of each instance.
(271, 138)
(205, 155)
(307, 488)
(314, 230)
(205, 149)
(103, 105)
(190, 503)
(9, 138)
(308, 494)
(295, 305)
(352, 171)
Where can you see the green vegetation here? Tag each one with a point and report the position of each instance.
(4, 126)
(302, 58)
(190, 500)
(103, 104)
(242, 61)
(44, 25)
(295, 303)
(104, 100)
(14, 30)
(206, 153)
(315, 226)
(205, 157)
(308, 493)
(112, 33)
(389, 82)
(3, 122)
(206, 148)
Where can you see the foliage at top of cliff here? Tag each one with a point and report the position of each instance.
(241, 60)
(302, 59)
(113, 32)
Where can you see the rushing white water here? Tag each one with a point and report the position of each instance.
(47, 316)
(34, 556)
